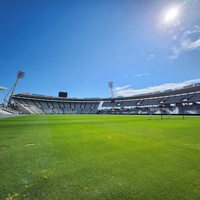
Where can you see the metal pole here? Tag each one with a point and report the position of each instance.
(110, 84)
(10, 98)
(183, 112)
(150, 113)
(19, 75)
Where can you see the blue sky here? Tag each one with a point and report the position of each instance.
(78, 46)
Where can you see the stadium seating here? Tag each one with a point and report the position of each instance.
(182, 101)
(195, 97)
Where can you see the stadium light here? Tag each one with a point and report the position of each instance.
(20, 75)
(110, 85)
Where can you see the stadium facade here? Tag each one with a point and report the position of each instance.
(185, 100)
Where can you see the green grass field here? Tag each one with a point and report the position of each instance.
(99, 157)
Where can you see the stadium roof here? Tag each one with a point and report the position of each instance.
(184, 90)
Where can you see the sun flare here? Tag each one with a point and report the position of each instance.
(171, 14)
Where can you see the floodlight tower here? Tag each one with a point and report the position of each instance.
(110, 85)
(20, 74)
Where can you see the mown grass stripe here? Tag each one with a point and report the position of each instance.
(99, 157)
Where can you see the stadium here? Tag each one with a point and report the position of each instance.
(109, 108)
(182, 101)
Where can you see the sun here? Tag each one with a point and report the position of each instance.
(171, 14)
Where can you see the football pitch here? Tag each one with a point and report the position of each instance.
(104, 157)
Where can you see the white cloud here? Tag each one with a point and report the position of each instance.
(174, 37)
(151, 57)
(186, 42)
(122, 88)
(192, 45)
(176, 51)
(3, 88)
(128, 91)
(140, 75)
(196, 29)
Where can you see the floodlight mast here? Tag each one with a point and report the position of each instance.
(110, 85)
(20, 74)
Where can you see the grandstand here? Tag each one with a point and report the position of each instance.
(3, 110)
(185, 100)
